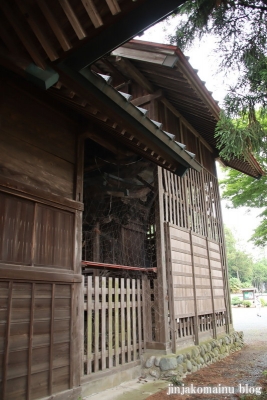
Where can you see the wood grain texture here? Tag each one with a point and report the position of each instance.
(115, 316)
(37, 339)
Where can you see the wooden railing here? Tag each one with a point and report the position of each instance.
(114, 322)
(185, 330)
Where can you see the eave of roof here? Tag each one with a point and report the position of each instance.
(163, 142)
(159, 56)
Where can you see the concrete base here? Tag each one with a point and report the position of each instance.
(132, 390)
(105, 381)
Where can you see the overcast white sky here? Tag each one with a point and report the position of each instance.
(241, 221)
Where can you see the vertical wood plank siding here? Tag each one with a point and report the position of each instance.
(114, 322)
(195, 255)
(35, 349)
(35, 234)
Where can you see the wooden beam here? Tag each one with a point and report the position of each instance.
(107, 144)
(113, 6)
(93, 13)
(23, 35)
(186, 123)
(60, 35)
(115, 71)
(135, 74)
(8, 39)
(14, 62)
(145, 183)
(73, 20)
(35, 26)
(147, 98)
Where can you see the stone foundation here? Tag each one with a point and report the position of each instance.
(192, 358)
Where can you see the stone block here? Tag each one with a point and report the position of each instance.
(166, 364)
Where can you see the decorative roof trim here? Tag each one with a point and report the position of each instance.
(152, 130)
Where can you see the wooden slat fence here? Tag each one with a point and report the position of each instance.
(116, 325)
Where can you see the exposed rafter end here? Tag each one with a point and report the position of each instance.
(41, 78)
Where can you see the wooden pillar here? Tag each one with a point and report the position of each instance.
(194, 289)
(162, 295)
(227, 296)
(212, 293)
(77, 297)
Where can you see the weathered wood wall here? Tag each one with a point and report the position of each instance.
(37, 144)
(195, 281)
(198, 282)
(197, 276)
(40, 221)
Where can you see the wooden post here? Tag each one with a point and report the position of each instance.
(146, 312)
(194, 287)
(212, 293)
(173, 323)
(7, 339)
(162, 311)
(89, 324)
(227, 296)
(110, 325)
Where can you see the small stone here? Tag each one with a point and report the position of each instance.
(189, 366)
(169, 374)
(195, 352)
(227, 340)
(188, 356)
(206, 358)
(202, 351)
(150, 362)
(208, 347)
(194, 369)
(155, 373)
(156, 361)
(184, 367)
(222, 350)
(180, 359)
(166, 364)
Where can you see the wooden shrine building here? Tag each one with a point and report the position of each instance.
(111, 238)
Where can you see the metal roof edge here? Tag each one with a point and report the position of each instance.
(170, 147)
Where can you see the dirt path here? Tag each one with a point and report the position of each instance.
(241, 368)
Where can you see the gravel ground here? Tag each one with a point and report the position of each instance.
(244, 367)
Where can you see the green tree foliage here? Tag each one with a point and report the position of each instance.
(240, 264)
(259, 277)
(244, 191)
(241, 29)
(243, 271)
(236, 301)
(235, 285)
